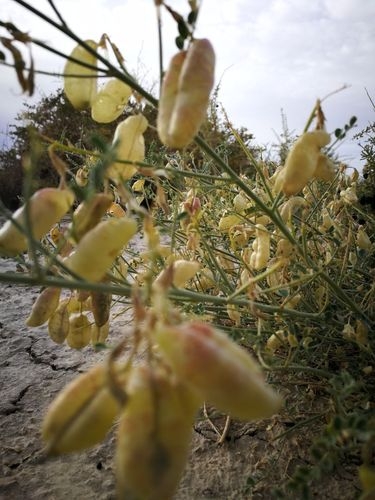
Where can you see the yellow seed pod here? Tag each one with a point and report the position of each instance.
(206, 279)
(44, 306)
(99, 334)
(58, 323)
(185, 94)
(361, 333)
(98, 249)
(292, 302)
(101, 307)
(228, 221)
(80, 88)
(184, 271)
(225, 262)
(79, 335)
(362, 240)
(275, 341)
(234, 314)
(82, 177)
(240, 203)
(353, 259)
(284, 248)
(301, 162)
(327, 221)
(88, 214)
(349, 195)
(260, 219)
(239, 236)
(75, 304)
(116, 210)
(291, 206)
(82, 413)
(217, 369)
(325, 169)
(46, 207)
(292, 340)
(154, 434)
(110, 101)
(261, 248)
(130, 147)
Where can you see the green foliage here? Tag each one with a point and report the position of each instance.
(306, 309)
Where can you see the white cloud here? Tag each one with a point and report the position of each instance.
(270, 55)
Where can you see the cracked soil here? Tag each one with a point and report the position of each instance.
(248, 465)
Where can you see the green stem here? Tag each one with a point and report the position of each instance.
(112, 69)
(246, 189)
(125, 290)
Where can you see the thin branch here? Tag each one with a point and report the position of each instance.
(57, 12)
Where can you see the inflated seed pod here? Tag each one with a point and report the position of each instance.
(228, 221)
(99, 334)
(325, 169)
(362, 239)
(302, 161)
(80, 89)
(217, 369)
(130, 146)
(88, 214)
(183, 271)
(154, 434)
(116, 210)
(46, 207)
(58, 323)
(261, 248)
(82, 413)
(109, 102)
(82, 177)
(185, 94)
(79, 334)
(98, 249)
(291, 206)
(101, 307)
(44, 306)
(241, 203)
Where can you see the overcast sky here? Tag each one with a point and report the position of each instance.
(271, 55)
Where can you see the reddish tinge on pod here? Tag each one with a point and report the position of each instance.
(185, 94)
(217, 369)
(154, 434)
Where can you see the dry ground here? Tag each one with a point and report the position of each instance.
(33, 369)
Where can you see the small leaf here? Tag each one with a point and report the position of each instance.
(352, 121)
(183, 29)
(338, 133)
(180, 42)
(192, 17)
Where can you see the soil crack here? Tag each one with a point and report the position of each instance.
(39, 361)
